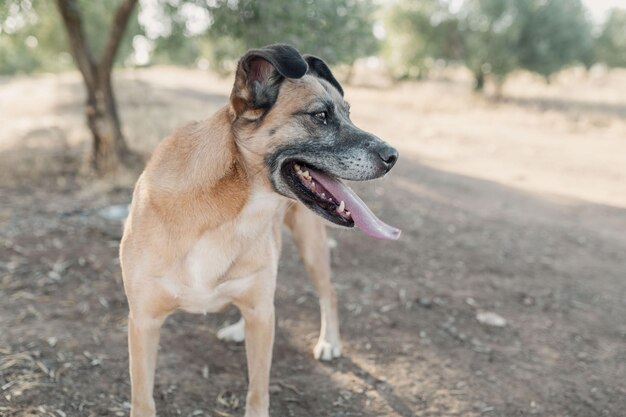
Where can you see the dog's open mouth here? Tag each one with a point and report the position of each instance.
(333, 200)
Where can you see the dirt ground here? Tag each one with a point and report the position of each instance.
(516, 208)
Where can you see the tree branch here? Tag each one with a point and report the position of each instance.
(120, 21)
(78, 41)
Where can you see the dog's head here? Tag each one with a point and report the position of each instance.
(288, 111)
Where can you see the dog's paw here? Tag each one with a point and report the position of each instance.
(235, 333)
(326, 351)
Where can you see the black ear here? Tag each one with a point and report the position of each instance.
(259, 74)
(319, 68)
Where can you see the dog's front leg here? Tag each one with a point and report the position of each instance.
(258, 314)
(143, 344)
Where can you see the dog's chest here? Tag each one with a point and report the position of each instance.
(222, 262)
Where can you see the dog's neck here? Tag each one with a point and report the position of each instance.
(253, 163)
(207, 173)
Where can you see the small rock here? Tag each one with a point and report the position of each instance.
(114, 212)
(387, 308)
(345, 394)
(425, 302)
(439, 301)
(490, 318)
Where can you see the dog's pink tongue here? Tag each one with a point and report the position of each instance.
(361, 214)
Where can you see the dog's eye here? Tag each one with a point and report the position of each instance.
(321, 116)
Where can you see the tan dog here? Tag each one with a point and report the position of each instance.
(204, 229)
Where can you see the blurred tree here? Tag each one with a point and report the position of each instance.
(554, 34)
(611, 44)
(109, 146)
(418, 34)
(542, 36)
(175, 39)
(29, 42)
(340, 31)
(491, 31)
(32, 36)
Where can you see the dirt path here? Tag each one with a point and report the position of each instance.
(516, 208)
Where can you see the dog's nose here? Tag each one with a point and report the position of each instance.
(388, 155)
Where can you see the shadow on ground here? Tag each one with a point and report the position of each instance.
(568, 106)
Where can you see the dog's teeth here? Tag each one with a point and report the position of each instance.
(306, 175)
(297, 167)
(323, 195)
(342, 206)
(347, 213)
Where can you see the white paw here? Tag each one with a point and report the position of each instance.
(235, 333)
(326, 351)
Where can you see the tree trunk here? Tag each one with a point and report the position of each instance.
(479, 80)
(109, 147)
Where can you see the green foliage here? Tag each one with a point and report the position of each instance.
(418, 34)
(491, 31)
(33, 37)
(555, 34)
(542, 36)
(176, 48)
(492, 37)
(611, 44)
(340, 31)
(30, 39)
(97, 19)
(174, 44)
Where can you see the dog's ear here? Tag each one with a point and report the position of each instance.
(319, 68)
(259, 75)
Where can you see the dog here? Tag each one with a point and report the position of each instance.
(204, 228)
